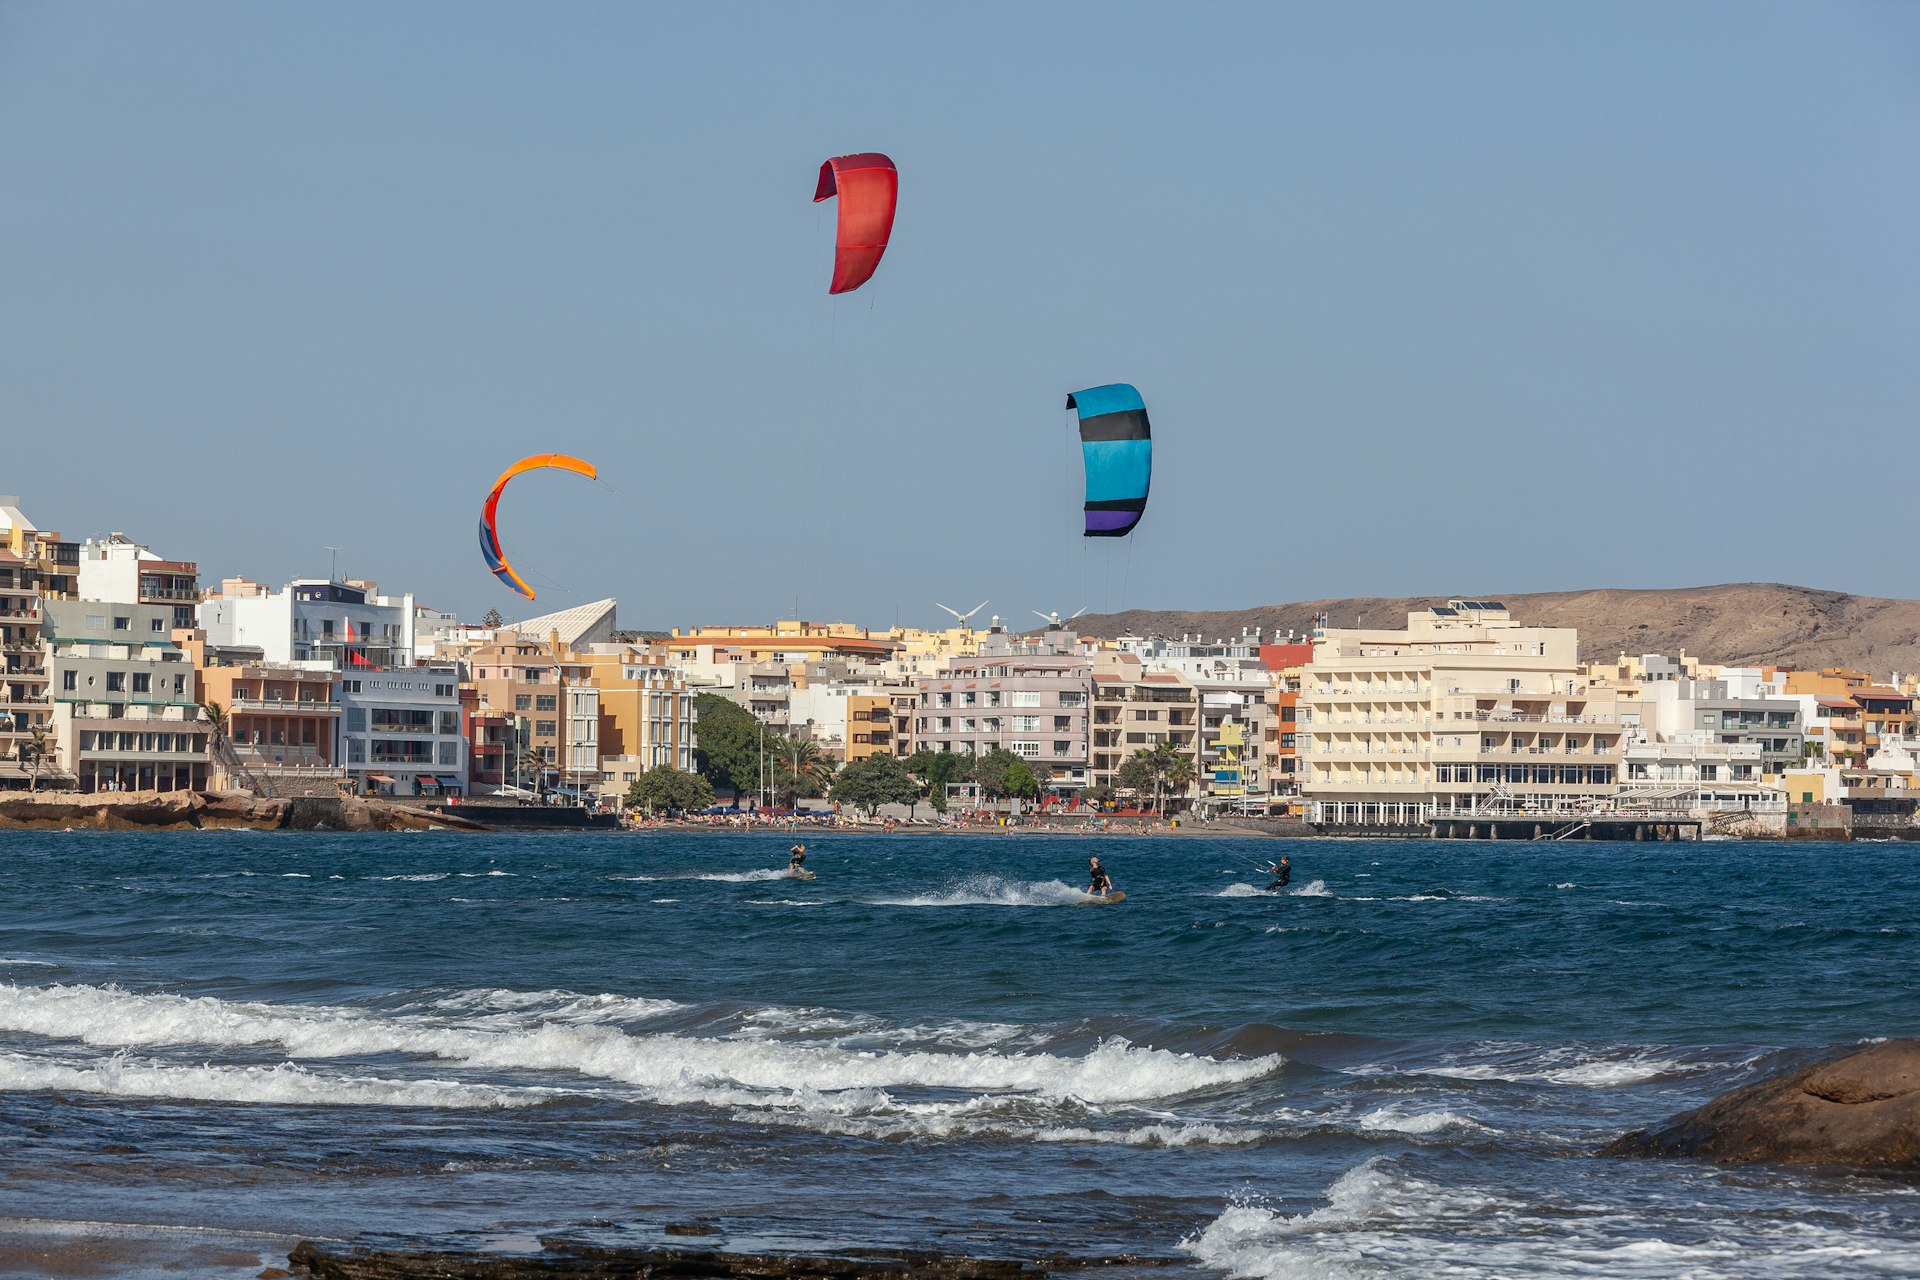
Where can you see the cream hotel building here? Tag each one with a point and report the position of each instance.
(1465, 711)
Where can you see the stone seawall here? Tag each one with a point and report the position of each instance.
(215, 810)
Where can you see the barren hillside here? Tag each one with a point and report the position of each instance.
(1760, 623)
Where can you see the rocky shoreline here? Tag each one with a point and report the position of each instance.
(215, 811)
(564, 1258)
(1860, 1110)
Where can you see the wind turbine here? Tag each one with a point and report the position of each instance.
(958, 616)
(1054, 619)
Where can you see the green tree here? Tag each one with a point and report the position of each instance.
(1138, 775)
(936, 769)
(873, 781)
(1179, 773)
(1000, 774)
(731, 738)
(1097, 794)
(1157, 769)
(800, 769)
(669, 789)
(493, 619)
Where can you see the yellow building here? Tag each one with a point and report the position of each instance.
(1463, 711)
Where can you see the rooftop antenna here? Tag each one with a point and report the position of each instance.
(958, 616)
(333, 574)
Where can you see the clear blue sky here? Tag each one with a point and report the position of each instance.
(1422, 298)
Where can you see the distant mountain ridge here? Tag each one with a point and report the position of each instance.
(1740, 623)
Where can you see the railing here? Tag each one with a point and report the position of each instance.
(254, 758)
(284, 706)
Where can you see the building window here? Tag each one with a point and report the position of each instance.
(449, 753)
(1031, 750)
(116, 682)
(547, 702)
(142, 682)
(121, 622)
(1061, 748)
(70, 680)
(450, 722)
(545, 728)
(356, 751)
(523, 702)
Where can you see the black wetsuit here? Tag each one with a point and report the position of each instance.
(1102, 884)
(1281, 876)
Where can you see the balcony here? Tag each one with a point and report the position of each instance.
(286, 706)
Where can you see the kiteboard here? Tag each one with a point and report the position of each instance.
(800, 875)
(1101, 900)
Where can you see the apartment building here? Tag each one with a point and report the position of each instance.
(35, 564)
(283, 720)
(1708, 711)
(401, 732)
(1027, 695)
(1284, 663)
(125, 698)
(1464, 711)
(347, 625)
(515, 675)
(1135, 709)
(118, 569)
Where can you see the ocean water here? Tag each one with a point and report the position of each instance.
(1399, 1066)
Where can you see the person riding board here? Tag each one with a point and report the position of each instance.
(1282, 872)
(1102, 883)
(796, 860)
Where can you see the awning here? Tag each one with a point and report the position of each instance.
(449, 783)
(379, 777)
(427, 780)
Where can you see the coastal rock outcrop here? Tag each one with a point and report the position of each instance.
(154, 810)
(590, 1262)
(1861, 1109)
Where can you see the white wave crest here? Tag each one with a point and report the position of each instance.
(994, 891)
(1312, 889)
(1396, 1119)
(285, 1084)
(1241, 891)
(1379, 1221)
(667, 1068)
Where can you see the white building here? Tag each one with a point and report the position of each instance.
(400, 731)
(313, 619)
(118, 569)
(126, 715)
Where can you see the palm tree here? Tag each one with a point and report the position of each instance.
(37, 734)
(1177, 773)
(807, 769)
(536, 760)
(219, 723)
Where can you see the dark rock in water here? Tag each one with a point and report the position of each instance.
(690, 1229)
(591, 1262)
(1861, 1109)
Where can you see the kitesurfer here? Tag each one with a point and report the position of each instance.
(1101, 883)
(796, 859)
(1282, 872)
